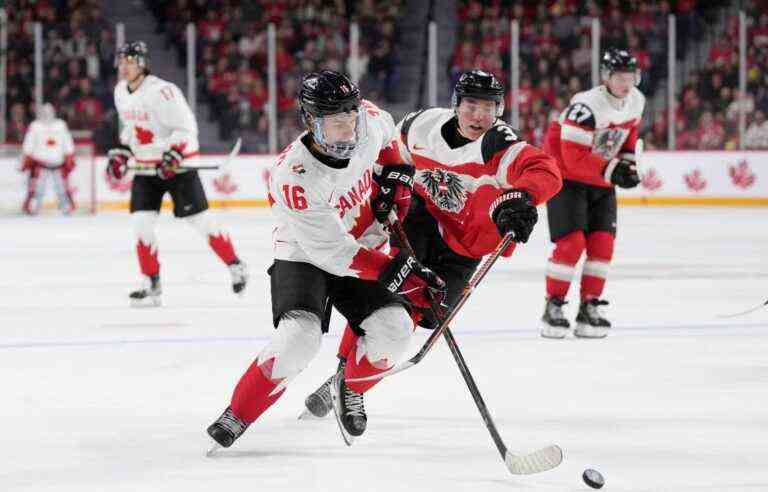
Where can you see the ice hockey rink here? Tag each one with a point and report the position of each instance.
(100, 397)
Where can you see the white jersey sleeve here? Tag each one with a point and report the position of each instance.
(176, 117)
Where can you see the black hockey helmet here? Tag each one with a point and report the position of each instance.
(618, 60)
(137, 50)
(480, 85)
(324, 94)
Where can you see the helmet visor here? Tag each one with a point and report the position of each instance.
(340, 134)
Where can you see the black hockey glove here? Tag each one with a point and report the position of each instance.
(395, 187)
(407, 277)
(514, 212)
(622, 172)
(170, 164)
(117, 162)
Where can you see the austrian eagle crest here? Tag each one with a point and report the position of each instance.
(445, 188)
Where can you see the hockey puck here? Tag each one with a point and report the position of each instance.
(593, 478)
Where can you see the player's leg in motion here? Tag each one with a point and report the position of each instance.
(318, 403)
(221, 244)
(63, 191)
(387, 333)
(144, 223)
(560, 271)
(590, 322)
(295, 344)
(32, 204)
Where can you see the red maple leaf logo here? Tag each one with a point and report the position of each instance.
(741, 175)
(143, 135)
(695, 180)
(50, 142)
(225, 185)
(651, 180)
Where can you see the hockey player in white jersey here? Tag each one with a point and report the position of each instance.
(159, 132)
(330, 250)
(48, 155)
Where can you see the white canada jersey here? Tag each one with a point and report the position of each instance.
(155, 118)
(324, 214)
(48, 142)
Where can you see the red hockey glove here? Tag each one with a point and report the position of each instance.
(395, 185)
(170, 164)
(405, 276)
(117, 164)
(69, 165)
(514, 212)
(28, 164)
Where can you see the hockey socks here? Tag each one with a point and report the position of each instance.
(148, 262)
(256, 391)
(599, 254)
(222, 246)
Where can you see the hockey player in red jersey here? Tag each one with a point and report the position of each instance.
(594, 142)
(330, 251)
(159, 132)
(475, 180)
(48, 155)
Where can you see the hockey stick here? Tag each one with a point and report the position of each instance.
(639, 149)
(539, 461)
(742, 313)
(235, 150)
(476, 278)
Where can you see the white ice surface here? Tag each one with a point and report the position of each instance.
(95, 396)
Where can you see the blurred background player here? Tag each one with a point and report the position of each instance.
(49, 155)
(475, 180)
(594, 142)
(329, 249)
(159, 133)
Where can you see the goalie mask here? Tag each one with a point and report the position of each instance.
(618, 60)
(479, 84)
(330, 109)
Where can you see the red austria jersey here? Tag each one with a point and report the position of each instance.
(459, 184)
(592, 130)
(323, 214)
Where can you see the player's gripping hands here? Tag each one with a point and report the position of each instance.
(395, 185)
(407, 277)
(514, 212)
(622, 172)
(117, 162)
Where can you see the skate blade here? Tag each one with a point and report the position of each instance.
(307, 415)
(144, 303)
(553, 332)
(587, 331)
(349, 439)
(211, 453)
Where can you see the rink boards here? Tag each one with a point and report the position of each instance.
(670, 178)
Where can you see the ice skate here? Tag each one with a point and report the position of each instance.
(225, 430)
(149, 295)
(554, 324)
(348, 409)
(590, 322)
(318, 403)
(239, 273)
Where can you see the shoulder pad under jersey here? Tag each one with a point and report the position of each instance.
(406, 126)
(580, 114)
(498, 138)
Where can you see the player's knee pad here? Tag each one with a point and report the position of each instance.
(144, 222)
(600, 245)
(568, 249)
(387, 333)
(204, 223)
(295, 344)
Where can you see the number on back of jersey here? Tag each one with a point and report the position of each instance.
(581, 115)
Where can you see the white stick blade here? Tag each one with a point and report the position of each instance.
(539, 461)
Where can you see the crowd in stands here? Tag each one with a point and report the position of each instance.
(78, 73)
(708, 111)
(311, 34)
